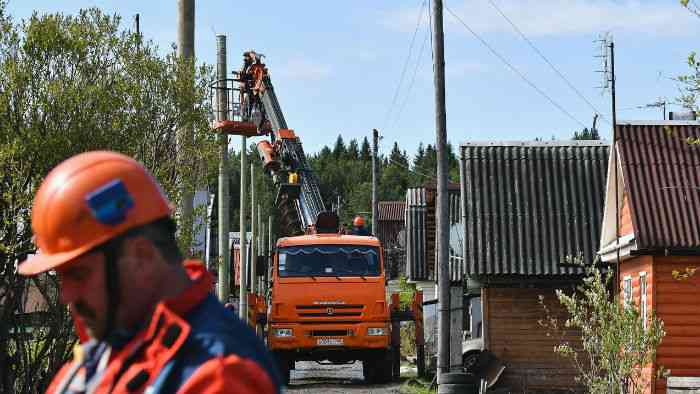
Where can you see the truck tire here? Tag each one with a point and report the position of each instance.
(458, 388)
(379, 369)
(457, 378)
(284, 366)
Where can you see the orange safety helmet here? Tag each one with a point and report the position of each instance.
(88, 200)
(359, 221)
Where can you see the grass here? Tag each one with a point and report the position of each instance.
(416, 386)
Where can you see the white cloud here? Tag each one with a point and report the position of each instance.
(561, 17)
(301, 68)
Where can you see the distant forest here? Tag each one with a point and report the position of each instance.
(345, 175)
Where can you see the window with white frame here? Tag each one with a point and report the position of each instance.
(627, 291)
(643, 297)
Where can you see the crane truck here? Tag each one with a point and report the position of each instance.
(328, 298)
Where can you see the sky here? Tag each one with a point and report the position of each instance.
(346, 67)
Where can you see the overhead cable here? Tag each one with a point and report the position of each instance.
(534, 48)
(514, 69)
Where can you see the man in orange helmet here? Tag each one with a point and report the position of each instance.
(358, 226)
(102, 223)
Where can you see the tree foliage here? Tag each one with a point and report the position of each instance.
(69, 84)
(586, 134)
(616, 344)
(345, 174)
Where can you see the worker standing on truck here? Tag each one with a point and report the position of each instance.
(358, 226)
(147, 319)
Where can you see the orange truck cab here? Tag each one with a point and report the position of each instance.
(328, 304)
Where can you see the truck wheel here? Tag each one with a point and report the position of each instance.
(283, 364)
(369, 370)
(380, 368)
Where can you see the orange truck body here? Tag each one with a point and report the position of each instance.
(329, 316)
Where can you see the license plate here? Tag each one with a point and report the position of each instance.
(329, 341)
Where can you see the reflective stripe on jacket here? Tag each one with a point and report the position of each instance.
(192, 344)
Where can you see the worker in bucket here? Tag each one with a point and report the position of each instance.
(358, 226)
(146, 317)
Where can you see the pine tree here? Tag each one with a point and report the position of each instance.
(339, 148)
(365, 151)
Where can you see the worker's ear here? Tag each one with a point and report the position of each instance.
(139, 249)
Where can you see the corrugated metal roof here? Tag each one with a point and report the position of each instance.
(532, 205)
(661, 172)
(392, 211)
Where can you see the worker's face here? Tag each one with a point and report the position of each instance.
(83, 289)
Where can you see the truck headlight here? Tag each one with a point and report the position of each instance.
(374, 331)
(283, 332)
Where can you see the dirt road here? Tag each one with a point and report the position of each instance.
(310, 377)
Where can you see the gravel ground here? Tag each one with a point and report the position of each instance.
(310, 377)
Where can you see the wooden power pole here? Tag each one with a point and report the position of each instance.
(442, 201)
(185, 134)
(375, 182)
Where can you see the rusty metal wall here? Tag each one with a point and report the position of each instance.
(530, 206)
(416, 255)
(391, 222)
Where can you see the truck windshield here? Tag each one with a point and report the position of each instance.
(328, 260)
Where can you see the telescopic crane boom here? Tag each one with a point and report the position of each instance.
(298, 195)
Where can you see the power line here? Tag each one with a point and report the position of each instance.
(534, 48)
(413, 80)
(405, 65)
(515, 70)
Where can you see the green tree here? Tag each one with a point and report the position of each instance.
(353, 151)
(615, 339)
(69, 84)
(339, 150)
(365, 150)
(586, 134)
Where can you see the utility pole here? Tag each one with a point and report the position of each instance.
(261, 248)
(270, 248)
(441, 212)
(615, 159)
(185, 138)
(262, 245)
(375, 182)
(242, 293)
(222, 114)
(253, 231)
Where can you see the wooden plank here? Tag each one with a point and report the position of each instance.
(679, 351)
(690, 341)
(673, 363)
(683, 309)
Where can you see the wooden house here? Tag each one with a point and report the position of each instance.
(528, 207)
(658, 203)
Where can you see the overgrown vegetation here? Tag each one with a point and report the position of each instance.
(616, 343)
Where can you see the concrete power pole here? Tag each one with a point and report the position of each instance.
(261, 247)
(441, 212)
(185, 138)
(242, 293)
(222, 114)
(253, 232)
(375, 182)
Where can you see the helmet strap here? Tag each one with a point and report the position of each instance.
(111, 253)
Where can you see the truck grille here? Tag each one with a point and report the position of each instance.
(335, 310)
